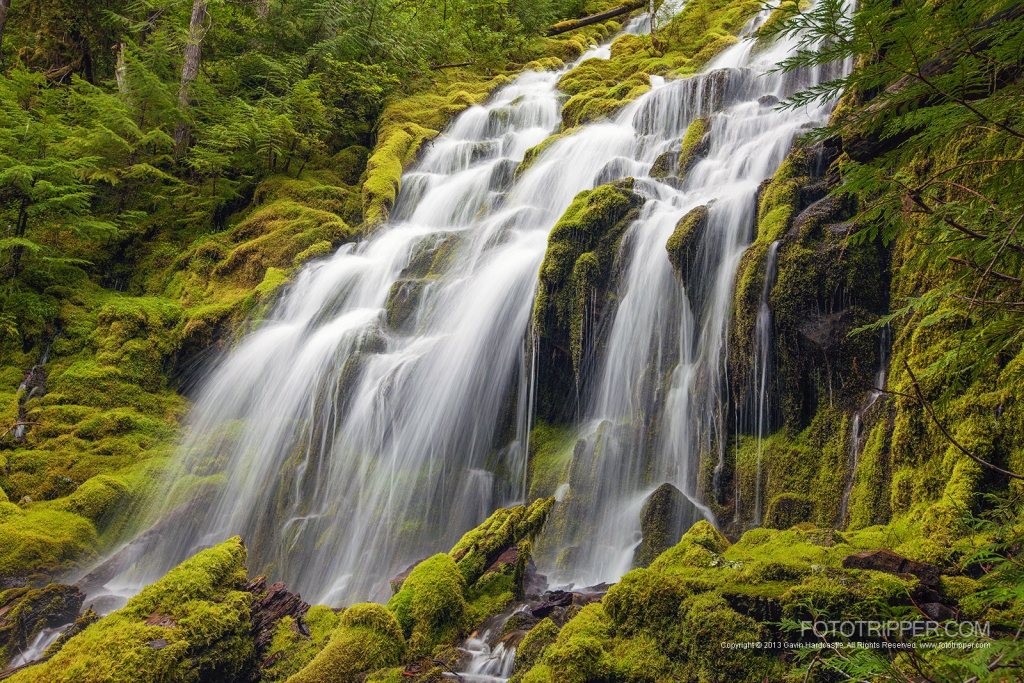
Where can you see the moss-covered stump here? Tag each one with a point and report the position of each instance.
(368, 638)
(685, 241)
(25, 612)
(660, 523)
(574, 280)
(192, 625)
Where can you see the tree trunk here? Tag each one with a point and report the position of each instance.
(5, 5)
(190, 68)
(565, 26)
(120, 70)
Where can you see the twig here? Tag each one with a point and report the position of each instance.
(16, 425)
(931, 412)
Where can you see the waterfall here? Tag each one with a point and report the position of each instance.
(351, 437)
(656, 410)
(762, 359)
(384, 407)
(855, 424)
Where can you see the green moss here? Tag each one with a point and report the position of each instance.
(685, 241)
(694, 145)
(645, 600)
(402, 130)
(293, 650)
(192, 625)
(431, 605)
(535, 643)
(579, 654)
(44, 540)
(368, 638)
(574, 278)
(551, 450)
(506, 527)
(599, 88)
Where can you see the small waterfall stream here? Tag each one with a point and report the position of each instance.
(855, 425)
(762, 361)
(365, 423)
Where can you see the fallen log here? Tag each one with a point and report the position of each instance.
(573, 24)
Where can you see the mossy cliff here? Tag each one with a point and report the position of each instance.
(573, 290)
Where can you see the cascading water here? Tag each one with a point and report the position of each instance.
(358, 429)
(366, 423)
(762, 360)
(657, 407)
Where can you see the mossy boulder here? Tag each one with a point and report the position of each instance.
(574, 280)
(684, 243)
(291, 650)
(368, 638)
(695, 145)
(431, 605)
(479, 548)
(191, 625)
(660, 523)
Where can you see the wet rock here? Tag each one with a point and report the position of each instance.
(937, 611)
(826, 210)
(685, 241)
(522, 620)
(403, 300)
(502, 176)
(767, 100)
(158, 644)
(506, 559)
(660, 524)
(667, 164)
(887, 561)
(25, 612)
(552, 600)
(87, 619)
(270, 604)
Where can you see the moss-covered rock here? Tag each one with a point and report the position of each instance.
(368, 638)
(574, 281)
(695, 145)
(431, 606)
(660, 523)
(685, 241)
(192, 625)
(291, 650)
(25, 612)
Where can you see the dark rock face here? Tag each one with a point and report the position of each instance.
(889, 562)
(660, 523)
(269, 605)
(551, 601)
(25, 612)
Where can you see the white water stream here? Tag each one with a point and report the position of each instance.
(347, 448)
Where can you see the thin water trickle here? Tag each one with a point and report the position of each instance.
(855, 425)
(761, 372)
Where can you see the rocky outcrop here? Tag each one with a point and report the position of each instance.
(685, 241)
(572, 292)
(661, 525)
